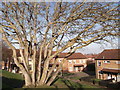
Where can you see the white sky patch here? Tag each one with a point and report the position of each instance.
(94, 48)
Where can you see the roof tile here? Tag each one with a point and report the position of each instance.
(109, 54)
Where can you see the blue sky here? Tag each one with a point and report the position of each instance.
(97, 48)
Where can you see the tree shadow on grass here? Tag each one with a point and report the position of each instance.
(12, 83)
(72, 86)
(91, 73)
(54, 82)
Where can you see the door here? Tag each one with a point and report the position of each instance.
(76, 69)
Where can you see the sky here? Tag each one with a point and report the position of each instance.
(97, 48)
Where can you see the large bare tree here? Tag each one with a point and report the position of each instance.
(40, 28)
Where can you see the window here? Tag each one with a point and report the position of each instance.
(99, 63)
(106, 61)
(108, 76)
(60, 60)
(117, 62)
(70, 61)
(75, 61)
(83, 61)
(80, 61)
(70, 69)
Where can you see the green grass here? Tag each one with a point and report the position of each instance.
(97, 80)
(88, 86)
(45, 86)
(11, 80)
(59, 84)
(11, 75)
(62, 83)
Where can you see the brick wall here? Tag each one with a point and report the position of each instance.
(110, 64)
(68, 65)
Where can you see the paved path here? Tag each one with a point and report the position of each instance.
(79, 74)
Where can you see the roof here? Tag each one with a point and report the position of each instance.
(73, 56)
(110, 54)
(91, 55)
(110, 70)
(61, 55)
(77, 56)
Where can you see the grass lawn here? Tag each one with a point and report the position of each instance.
(97, 80)
(11, 80)
(63, 83)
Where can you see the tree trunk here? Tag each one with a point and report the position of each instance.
(51, 70)
(27, 80)
(44, 74)
(53, 77)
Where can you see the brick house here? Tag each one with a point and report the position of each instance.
(108, 65)
(91, 58)
(74, 63)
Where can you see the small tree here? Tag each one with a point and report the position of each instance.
(58, 26)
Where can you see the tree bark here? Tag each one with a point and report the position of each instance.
(44, 74)
(51, 70)
(28, 81)
(53, 77)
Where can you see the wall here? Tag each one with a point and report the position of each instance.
(111, 65)
(73, 62)
(68, 65)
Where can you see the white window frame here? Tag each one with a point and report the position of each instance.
(107, 61)
(79, 61)
(70, 61)
(117, 62)
(75, 61)
(60, 60)
(70, 69)
(83, 61)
